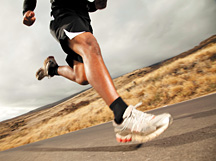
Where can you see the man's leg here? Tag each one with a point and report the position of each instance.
(130, 124)
(92, 71)
(76, 74)
(96, 72)
(51, 68)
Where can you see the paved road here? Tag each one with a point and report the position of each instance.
(191, 137)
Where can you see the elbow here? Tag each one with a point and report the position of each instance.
(100, 4)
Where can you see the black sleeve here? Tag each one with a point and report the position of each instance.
(91, 7)
(29, 5)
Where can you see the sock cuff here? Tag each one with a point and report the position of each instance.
(118, 107)
(118, 102)
(53, 71)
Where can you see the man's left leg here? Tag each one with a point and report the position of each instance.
(130, 124)
(97, 74)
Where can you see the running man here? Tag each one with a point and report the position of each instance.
(71, 27)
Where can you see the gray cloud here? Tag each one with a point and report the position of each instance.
(131, 35)
(155, 30)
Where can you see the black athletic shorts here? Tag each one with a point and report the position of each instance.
(71, 21)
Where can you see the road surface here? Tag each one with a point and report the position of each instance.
(191, 137)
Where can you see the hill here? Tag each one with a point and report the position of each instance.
(189, 75)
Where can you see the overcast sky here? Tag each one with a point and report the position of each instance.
(132, 35)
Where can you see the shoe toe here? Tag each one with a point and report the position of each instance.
(163, 119)
(40, 74)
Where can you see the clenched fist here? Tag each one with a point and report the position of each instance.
(29, 18)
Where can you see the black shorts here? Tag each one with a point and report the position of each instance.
(72, 21)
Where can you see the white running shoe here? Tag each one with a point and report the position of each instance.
(139, 126)
(43, 72)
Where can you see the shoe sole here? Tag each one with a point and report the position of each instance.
(134, 137)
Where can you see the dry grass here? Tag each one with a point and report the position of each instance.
(173, 81)
(180, 80)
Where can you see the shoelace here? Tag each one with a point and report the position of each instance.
(139, 118)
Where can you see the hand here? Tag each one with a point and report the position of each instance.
(29, 18)
(100, 4)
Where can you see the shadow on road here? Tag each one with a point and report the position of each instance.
(118, 148)
(199, 115)
(186, 138)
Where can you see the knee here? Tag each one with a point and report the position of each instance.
(87, 45)
(81, 78)
(82, 81)
(91, 45)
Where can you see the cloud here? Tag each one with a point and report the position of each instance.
(10, 112)
(146, 32)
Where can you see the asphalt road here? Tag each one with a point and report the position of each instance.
(191, 137)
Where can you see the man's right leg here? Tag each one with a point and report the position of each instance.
(51, 68)
(76, 74)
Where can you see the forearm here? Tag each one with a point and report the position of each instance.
(28, 12)
(29, 5)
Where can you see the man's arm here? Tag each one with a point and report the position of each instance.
(28, 12)
(100, 4)
(29, 5)
(91, 6)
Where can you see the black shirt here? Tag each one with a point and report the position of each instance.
(83, 5)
